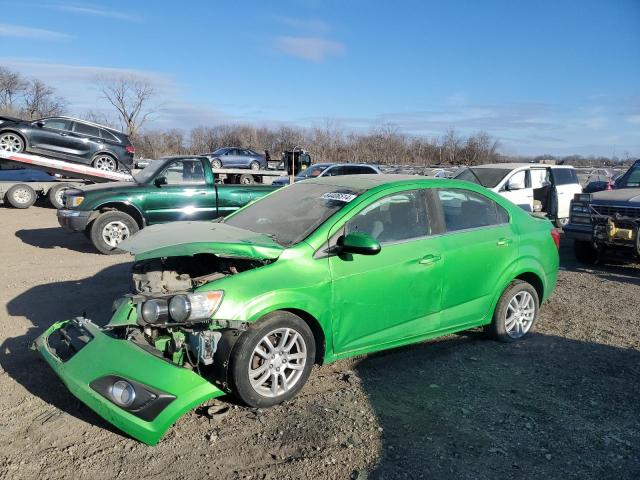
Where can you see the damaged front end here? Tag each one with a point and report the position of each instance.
(163, 351)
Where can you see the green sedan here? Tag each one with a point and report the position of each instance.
(312, 273)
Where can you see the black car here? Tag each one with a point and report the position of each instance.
(68, 139)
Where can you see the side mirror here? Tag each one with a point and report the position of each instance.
(514, 184)
(159, 181)
(359, 243)
(40, 123)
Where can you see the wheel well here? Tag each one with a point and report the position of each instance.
(18, 133)
(533, 280)
(126, 208)
(316, 329)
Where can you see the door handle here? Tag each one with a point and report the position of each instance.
(430, 259)
(64, 134)
(503, 242)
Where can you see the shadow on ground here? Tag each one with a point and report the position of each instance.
(55, 238)
(467, 407)
(45, 304)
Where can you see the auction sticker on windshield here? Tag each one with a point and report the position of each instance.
(340, 197)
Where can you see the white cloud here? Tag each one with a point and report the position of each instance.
(635, 119)
(84, 9)
(8, 30)
(314, 49)
(304, 24)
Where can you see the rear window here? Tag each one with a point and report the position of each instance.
(108, 135)
(86, 129)
(463, 209)
(564, 176)
(487, 177)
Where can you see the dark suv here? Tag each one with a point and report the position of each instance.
(69, 139)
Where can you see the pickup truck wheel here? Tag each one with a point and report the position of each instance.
(585, 252)
(216, 163)
(516, 312)
(56, 195)
(21, 196)
(272, 360)
(111, 228)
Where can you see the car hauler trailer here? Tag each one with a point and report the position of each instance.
(22, 189)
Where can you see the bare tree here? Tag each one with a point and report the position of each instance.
(131, 96)
(96, 116)
(12, 86)
(40, 101)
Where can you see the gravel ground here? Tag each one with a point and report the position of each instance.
(562, 404)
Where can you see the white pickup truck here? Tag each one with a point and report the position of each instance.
(539, 188)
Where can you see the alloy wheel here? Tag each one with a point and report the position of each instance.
(105, 162)
(10, 142)
(277, 362)
(521, 312)
(115, 232)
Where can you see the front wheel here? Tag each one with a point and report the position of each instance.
(111, 228)
(272, 360)
(216, 163)
(515, 313)
(254, 166)
(105, 162)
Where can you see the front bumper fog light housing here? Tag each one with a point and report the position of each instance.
(122, 393)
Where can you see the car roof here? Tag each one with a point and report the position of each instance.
(74, 119)
(178, 157)
(513, 166)
(370, 180)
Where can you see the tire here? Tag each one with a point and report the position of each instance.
(216, 163)
(255, 166)
(516, 312)
(246, 179)
(562, 222)
(109, 229)
(56, 195)
(21, 196)
(104, 161)
(585, 252)
(11, 142)
(244, 357)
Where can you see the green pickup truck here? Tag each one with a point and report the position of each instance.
(170, 189)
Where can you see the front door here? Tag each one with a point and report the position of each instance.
(185, 196)
(55, 136)
(517, 188)
(479, 247)
(395, 294)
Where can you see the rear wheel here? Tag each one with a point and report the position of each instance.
(272, 360)
(102, 161)
(111, 228)
(56, 195)
(516, 312)
(586, 252)
(11, 142)
(21, 196)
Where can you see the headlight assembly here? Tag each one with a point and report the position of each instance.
(195, 306)
(153, 311)
(74, 201)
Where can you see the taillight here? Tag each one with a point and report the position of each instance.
(555, 234)
(130, 149)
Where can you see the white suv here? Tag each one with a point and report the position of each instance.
(535, 187)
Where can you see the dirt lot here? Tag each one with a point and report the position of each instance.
(563, 404)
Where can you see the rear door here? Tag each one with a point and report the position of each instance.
(479, 246)
(566, 186)
(88, 138)
(187, 195)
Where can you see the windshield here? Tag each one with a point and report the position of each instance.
(312, 171)
(148, 172)
(487, 177)
(290, 215)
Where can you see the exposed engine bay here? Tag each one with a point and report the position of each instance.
(174, 322)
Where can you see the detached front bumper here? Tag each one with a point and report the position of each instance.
(579, 232)
(74, 220)
(83, 355)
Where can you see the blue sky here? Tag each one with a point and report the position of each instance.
(541, 76)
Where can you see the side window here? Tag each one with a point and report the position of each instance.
(58, 124)
(182, 172)
(564, 176)
(633, 180)
(86, 129)
(395, 218)
(334, 171)
(463, 209)
(518, 181)
(108, 135)
(539, 177)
